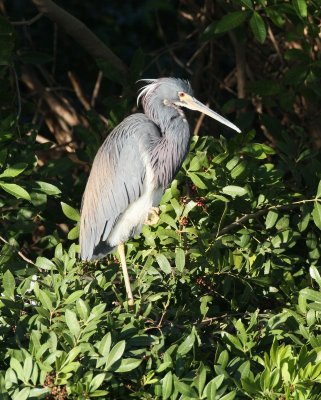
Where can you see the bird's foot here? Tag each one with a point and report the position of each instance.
(153, 216)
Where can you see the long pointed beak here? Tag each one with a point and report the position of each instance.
(193, 104)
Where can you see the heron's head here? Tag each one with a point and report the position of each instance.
(161, 95)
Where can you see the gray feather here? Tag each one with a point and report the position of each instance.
(116, 180)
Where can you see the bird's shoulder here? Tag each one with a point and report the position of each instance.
(136, 125)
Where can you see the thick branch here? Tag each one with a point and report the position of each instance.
(80, 33)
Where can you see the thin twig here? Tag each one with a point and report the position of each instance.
(96, 89)
(15, 76)
(19, 252)
(29, 21)
(198, 124)
(275, 44)
(240, 221)
(78, 90)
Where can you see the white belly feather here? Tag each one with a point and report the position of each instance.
(131, 222)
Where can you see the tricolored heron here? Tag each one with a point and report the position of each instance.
(134, 166)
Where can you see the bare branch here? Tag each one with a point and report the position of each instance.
(80, 33)
(79, 91)
(246, 217)
(29, 21)
(96, 89)
(19, 252)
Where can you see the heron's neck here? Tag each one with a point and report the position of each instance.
(171, 149)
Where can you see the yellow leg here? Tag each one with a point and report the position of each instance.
(121, 251)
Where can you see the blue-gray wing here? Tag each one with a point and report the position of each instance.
(116, 181)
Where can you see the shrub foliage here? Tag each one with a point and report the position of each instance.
(227, 284)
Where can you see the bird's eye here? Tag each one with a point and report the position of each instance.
(181, 94)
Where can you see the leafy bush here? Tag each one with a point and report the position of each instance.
(224, 306)
(227, 285)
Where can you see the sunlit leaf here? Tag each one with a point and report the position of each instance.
(115, 354)
(70, 212)
(15, 190)
(163, 263)
(234, 191)
(316, 214)
(187, 345)
(300, 7)
(13, 170)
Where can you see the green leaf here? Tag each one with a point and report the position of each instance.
(271, 218)
(218, 380)
(73, 296)
(210, 391)
(234, 191)
(70, 212)
(73, 353)
(189, 207)
(310, 294)
(48, 188)
(99, 393)
(9, 285)
(15, 190)
(167, 385)
(72, 323)
(16, 366)
(316, 214)
(128, 364)
(104, 345)
(300, 7)
(258, 27)
(22, 394)
(45, 263)
(238, 169)
(96, 382)
(38, 393)
(14, 170)
(248, 3)
(314, 273)
(231, 21)
(197, 180)
(187, 345)
(74, 233)
(229, 396)
(200, 379)
(180, 259)
(71, 367)
(115, 354)
(305, 218)
(163, 263)
(195, 164)
(27, 368)
(82, 309)
(185, 389)
(44, 299)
